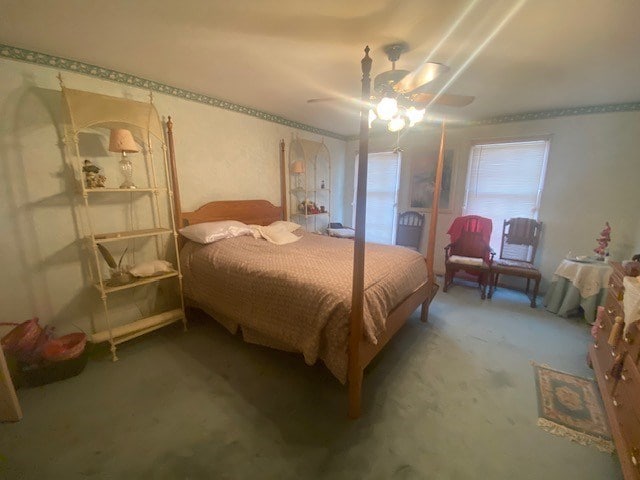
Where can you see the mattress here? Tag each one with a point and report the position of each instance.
(297, 297)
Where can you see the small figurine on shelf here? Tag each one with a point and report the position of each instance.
(322, 184)
(307, 207)
(92, 176)
(602, 250)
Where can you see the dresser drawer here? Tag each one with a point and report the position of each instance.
(604, 351)
(629, 385)
(627, 411)
(632, 344)
(630, 428)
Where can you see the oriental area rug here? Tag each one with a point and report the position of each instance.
(571, 407)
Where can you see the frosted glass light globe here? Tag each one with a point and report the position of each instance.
(372, 117)
(396, 124)
(387, 108)
(415, 115)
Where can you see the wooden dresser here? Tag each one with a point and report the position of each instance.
(620, 387)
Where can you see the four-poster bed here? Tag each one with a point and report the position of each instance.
(360, 347)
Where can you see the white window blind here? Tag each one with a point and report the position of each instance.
(382, 196)
(505, 181)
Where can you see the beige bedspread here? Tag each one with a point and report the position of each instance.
(297, 297)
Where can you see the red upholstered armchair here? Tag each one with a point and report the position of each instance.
(469, 252)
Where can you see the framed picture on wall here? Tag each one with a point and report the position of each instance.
(423, 180)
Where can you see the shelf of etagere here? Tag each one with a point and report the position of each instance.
(139, 327)
(309, 214)
(303, 190)
(136, 283)
(127, 234)
(117, 190)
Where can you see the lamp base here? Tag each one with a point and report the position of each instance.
(127, 170)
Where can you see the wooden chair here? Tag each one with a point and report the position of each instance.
(520, 237)
(469, 251)
(409, 231)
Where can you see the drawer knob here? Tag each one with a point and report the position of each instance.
(616, 403)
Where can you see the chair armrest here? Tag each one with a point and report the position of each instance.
(447, 252)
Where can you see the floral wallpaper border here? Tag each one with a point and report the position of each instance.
(559, 112)
(21, 54)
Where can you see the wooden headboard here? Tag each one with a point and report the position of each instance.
(260, 212)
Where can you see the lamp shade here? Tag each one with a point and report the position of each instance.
(297, 167)
(121, 140)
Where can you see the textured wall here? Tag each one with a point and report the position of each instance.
(592, 177)
(220, 154)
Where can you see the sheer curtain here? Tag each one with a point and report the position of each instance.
(382, 197)
(505, 180)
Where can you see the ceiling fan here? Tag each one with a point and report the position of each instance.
(399, 96)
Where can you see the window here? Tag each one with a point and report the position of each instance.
(505, 181)
(382, 197)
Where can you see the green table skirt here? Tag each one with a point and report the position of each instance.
(563, 299)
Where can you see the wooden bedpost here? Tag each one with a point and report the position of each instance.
(174, 175)
(283, 183)
(356, 370)
(433, 225)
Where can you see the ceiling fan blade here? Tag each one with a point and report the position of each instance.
(446, 99)
(422, 75)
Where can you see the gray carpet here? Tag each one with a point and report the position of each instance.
(452, 399)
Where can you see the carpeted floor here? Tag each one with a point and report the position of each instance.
(452, 399)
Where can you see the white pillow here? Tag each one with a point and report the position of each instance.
(288, 226)
(278, 235)
(255, 231)
(341, 232)
(210, 232)
(147, 269)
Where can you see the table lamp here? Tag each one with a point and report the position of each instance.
(121, 141)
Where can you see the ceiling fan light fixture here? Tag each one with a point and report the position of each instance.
(415, 115)
(396, 124)
(372, 117)
(387, 108)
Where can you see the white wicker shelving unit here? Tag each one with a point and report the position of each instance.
(87, 112)
(310, 183)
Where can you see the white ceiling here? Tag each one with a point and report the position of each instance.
(512, 55)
